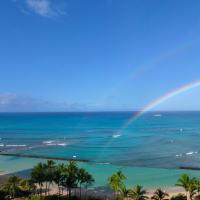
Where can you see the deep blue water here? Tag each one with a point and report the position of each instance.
(167, 140)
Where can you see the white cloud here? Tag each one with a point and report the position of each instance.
(41, 7)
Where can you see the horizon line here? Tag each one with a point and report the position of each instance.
(93, 111)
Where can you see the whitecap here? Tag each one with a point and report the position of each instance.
(48, 142)
(179, 155)
(116, 135)
(192, 152)
(62, 144)
(74, 156)
(1, 145)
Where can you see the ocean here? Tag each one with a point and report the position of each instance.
(149, 151)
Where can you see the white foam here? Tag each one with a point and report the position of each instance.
(1, 145)
(54, 143)
(48, 142)
(62, 144)
(74, 156)
(179, 155)
(192, 152)
(116, 135)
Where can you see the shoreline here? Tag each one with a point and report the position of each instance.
(106, 192)
(101, 191)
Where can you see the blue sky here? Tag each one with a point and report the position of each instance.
(75, 55)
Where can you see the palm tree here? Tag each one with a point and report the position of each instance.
(58, 176)
(50, 169)
(45, 178)
(120, 175)
(70, 176)
(13, 186)
(192, 188)
(159, 194)
(27, 185)
(138, 193)
(178, 197)
(38, 175)
(88, 181)
(81, 178)
(188, 184)
(7, 190)
(124, 193)
(114, 184)
(197, 185)
(184, 181)
(116, 181)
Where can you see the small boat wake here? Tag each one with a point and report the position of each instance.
(116, 135)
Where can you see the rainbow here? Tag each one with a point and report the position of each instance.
(162, 99)
(154, 103)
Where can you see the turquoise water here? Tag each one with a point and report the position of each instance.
(149, 151)
(148, 177)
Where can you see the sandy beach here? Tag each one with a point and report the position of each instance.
(106, 192)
